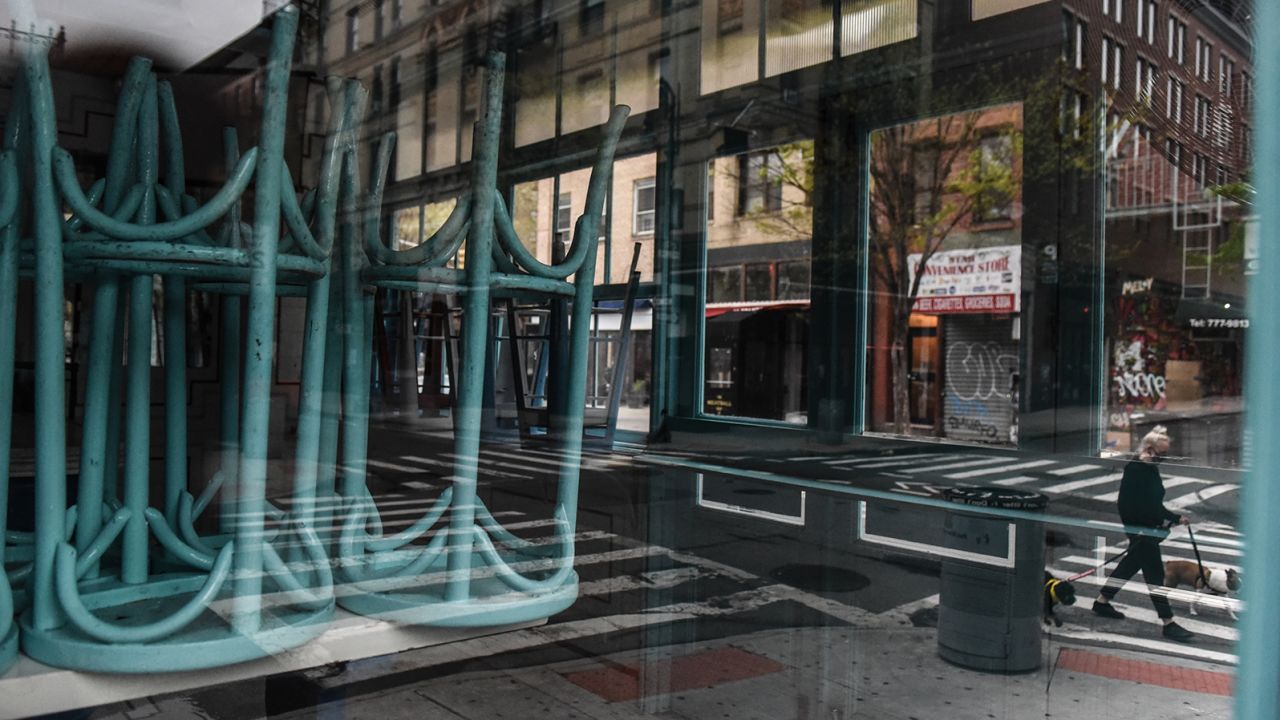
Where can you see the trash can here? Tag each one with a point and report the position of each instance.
(992, 580)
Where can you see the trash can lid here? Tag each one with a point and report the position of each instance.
(997, 497)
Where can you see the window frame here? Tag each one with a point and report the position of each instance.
(644, 184)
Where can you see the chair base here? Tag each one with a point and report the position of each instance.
(491, 602)
(9, 649)
(209, 641)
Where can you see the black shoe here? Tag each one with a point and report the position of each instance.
(1174, 631)
(1105, 610)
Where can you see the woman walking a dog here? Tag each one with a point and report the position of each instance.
(1141, 504)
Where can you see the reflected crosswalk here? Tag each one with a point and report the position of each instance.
(1096, 481)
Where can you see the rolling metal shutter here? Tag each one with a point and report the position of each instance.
(980, 361)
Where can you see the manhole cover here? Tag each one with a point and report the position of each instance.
(817, 578)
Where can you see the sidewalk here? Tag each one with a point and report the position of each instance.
(885, 674)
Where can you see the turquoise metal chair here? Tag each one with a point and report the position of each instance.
(202, 601)
(472, 571)
(9, 197)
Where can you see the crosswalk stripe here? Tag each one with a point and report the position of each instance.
(1067, 487)
(1015, 480)
(952, 466)
(1169, 482)
(901, 462)
(1191, 498)
(393, 466)
(449, 466)
(1074, 469)
(993, 471)
(892, 458)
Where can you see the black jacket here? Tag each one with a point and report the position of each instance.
(1142, 496)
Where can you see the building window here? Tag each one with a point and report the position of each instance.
(375, 90)
(353, 29)
(1226, 75)
(759, 182)
(1173, 99)
(645, 198)
(431, 69)
(1077, 36)
(379, 15)
(564, 217)
(1114, 9)
(1112, 62)
(711, 191)
(1199, 165)
(393, 84)
(1203, 110)
(1144, 81)
(1173, 151)
(591, 17)
(759, 282)
(1177, 40)
(793, 280)
(724, 284)
(397, 12)
(1203, 52)
(1150, 26)
(995, 156)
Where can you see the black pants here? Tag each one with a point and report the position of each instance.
(1144, 555)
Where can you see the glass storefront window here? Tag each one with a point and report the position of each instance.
(946, 268)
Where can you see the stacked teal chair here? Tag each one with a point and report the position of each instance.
(9, 198)
(472, 571)
(197, 601)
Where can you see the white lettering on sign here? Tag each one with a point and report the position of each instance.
(980, 280)
(1133, 287)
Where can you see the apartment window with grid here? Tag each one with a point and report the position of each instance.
(1144, 80)
(759, 182)
(1177, 40)
(1114, 9)
(645, 198)
(379, 19)
(1201, 118)
(397, 12)
(564, 217)
(375, 90)
(1077, 32)
(1204, 50)
(1226, 75)
(1112, 62)
(353, 29)
(1173, 99)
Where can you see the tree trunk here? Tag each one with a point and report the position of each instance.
(901, 357)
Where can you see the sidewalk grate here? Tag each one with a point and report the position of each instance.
(706, 669)
(1146, 673)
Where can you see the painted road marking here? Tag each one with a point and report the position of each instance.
(1075, 469)
(1199, 496)
(1067, 487)
(952, 466)
(993, 471)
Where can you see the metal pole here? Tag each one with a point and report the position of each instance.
(1258, 677)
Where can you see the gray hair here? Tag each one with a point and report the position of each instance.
(1151, 439)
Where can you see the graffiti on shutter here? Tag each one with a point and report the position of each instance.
(981, 361)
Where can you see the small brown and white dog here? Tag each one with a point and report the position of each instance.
(1216, 581)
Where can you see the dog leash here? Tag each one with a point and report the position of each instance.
(1093, 570)
(1196, 548)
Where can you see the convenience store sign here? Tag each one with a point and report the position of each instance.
(985, 280)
